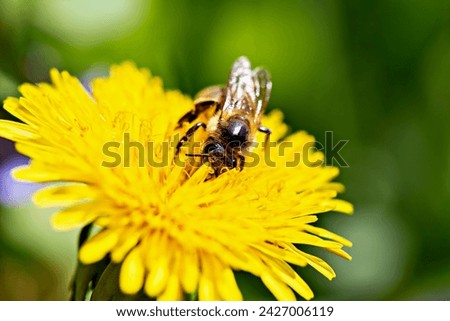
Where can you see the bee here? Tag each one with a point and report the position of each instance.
(237, 117)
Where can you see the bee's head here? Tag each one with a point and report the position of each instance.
(218, 157)
(237, 132)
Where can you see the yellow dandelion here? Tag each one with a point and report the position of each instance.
(169, 229)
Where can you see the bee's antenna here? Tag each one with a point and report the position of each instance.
(197, 154)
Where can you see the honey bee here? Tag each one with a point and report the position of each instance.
(238, 110)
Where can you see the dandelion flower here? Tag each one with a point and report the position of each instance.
(169, 229)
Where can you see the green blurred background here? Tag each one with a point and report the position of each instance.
(376, 73)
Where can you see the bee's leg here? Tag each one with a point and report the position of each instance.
(266, 131)
(188, 135)
(241, 162)
(192, 115)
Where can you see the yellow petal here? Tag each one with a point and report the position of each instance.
(65, 195)
(16, 132)
(125, 244)
(159, 275)
(300, 286)
(157, 279)
(172, 291)
(305, 238)
(227, 286)
(132, 272)
(98, 246)
(320, 265)
(189, 271)
(341, 206)
(327, 234)
(207, 284)
(278, 288)
(341, 253)
(75, 216)
(285, 273)
(159, 255)
(40, 173)
(13, 106)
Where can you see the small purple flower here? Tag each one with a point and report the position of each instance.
(13, 192)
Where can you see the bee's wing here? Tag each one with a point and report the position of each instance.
(262, 83)
(247, 90)
(240, 94)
